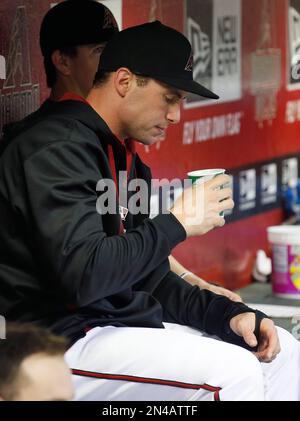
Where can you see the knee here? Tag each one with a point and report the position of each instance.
(245, 380)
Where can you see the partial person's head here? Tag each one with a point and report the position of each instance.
(150, 68)
(32, 365)
(72, 36)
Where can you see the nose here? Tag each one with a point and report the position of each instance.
(173, 115)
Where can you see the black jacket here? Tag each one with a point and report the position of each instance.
(66, 267)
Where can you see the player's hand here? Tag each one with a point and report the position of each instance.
(269, 346)
(198, 208)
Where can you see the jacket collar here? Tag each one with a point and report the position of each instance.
(85, 114)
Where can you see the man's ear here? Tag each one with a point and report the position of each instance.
(123, 80)
(61, 62)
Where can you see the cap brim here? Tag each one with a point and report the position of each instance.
(187, 86)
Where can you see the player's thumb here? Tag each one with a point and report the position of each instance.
(250, 339)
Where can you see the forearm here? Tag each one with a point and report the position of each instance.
(202, 309)
(183, 303)
(188, 276)
(193, 279)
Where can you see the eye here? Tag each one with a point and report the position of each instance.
(98, 49)
(171, 99)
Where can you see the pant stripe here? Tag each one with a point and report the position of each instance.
(137, 379)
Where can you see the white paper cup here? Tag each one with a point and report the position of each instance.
(201, 176)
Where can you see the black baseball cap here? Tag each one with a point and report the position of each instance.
(157, 51)
(76, 22)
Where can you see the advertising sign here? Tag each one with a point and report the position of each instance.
(214, 30)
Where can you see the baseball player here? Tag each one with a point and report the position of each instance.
(73, 34)
(71, 58)
(139, 331)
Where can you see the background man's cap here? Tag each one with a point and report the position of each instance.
(157, 51)
(76, 22)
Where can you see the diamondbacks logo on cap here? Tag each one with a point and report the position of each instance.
(190, 63)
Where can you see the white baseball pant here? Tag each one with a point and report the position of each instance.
(178, 363)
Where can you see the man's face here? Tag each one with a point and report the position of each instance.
(44, 378)
(148, 110)
(85, 65)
